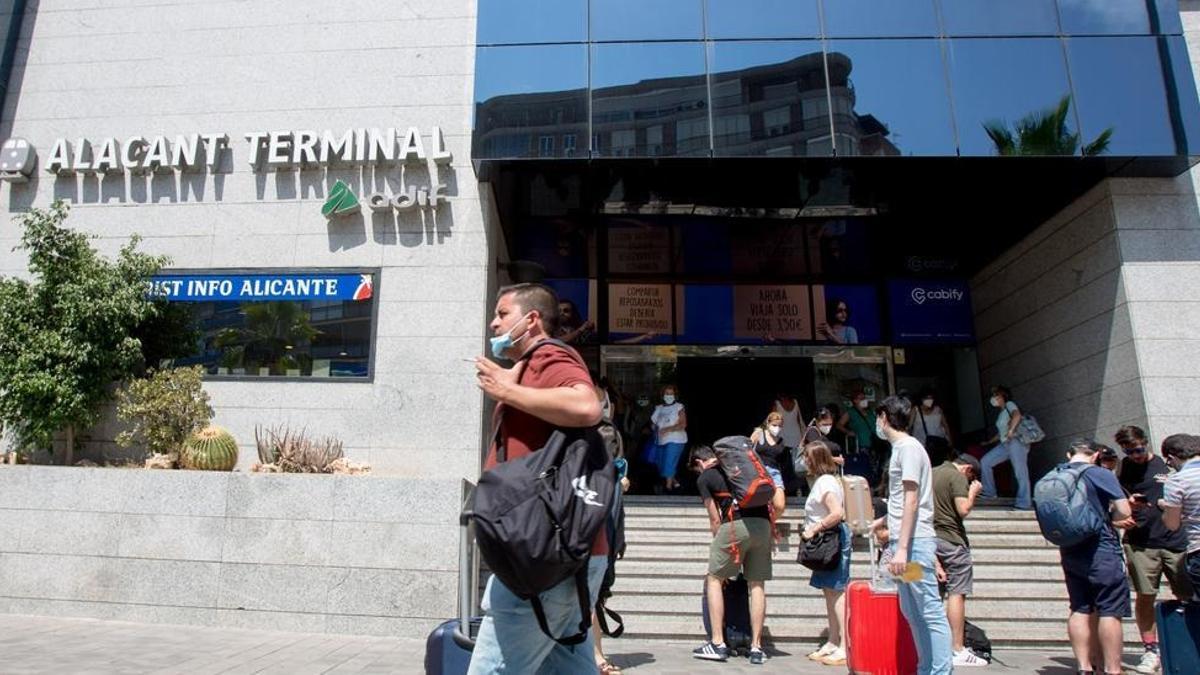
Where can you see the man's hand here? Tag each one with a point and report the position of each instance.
(495, 380)
(975, 489)
(899, 562)
(1125, 524)
(942, 577)
(808, 533)
(1137, 501)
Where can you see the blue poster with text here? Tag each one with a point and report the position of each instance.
(261, 287)
(928, 311)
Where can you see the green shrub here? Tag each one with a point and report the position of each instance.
(164, 409)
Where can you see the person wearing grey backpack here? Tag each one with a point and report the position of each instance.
(1080, 506)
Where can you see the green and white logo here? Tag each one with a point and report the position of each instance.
(341, 201)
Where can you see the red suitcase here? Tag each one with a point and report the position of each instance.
(878, 639)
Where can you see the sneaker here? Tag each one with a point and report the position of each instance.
(825, 650)
(835, 658)
(757, 656)
(1149, 663)
(968, 658)
(710, 652)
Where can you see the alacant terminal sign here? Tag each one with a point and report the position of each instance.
(268, 150)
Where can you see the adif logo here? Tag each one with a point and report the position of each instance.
(341, 201)
(920, 295)
(581, 490)
(16, 160)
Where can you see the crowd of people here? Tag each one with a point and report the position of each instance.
(894, 442)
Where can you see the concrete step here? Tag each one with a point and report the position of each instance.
(783, 606)
(651, 572)
(628, 585)
(685, 506)
(640, 536)
(1048, 631)
(699, 523)
(698, 551)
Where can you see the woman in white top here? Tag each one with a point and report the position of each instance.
(1008, 448)
(791, 428)
(930, 420)
(823, 511)
(670, 435)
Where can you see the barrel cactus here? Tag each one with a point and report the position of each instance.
(209, 449)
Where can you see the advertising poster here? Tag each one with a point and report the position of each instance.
(847, 314)
(639, 313)
(773, 249)
(636, 247)
(775, 312)
(925, 311)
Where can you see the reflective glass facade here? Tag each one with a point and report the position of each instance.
(813, 78)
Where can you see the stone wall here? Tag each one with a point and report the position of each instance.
(123, 68)
(335, 554)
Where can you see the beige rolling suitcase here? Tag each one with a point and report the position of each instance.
(860, 513)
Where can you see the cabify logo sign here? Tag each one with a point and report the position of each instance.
(341, 201)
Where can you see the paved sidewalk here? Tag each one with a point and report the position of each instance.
(62, 646)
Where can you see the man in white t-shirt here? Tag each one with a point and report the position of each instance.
(910, 523)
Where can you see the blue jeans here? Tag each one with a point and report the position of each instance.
(921, 605)
(510, 640)
(1017, 453)
(666, 457)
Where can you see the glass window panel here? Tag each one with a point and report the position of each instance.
(642, 20)
(847, 314)
(1120, 91)
(577, 311)
(560, 245)
(1003, 81)
(1010, 17)
(638, 86)
(876, 18)
(249, 329)
(1119, 17)
(525, 93)
(531, 21)
(898, 92)
(1187, 112)
(742, 19)
(763, 83)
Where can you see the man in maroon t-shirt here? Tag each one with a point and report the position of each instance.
(550, 389)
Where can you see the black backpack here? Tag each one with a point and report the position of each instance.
(537, 517)
(977, 641)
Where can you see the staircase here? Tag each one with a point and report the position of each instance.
(1019, 596)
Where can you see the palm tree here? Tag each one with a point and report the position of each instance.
(1044, 133)
(271, 330)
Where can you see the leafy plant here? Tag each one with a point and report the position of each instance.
(1044, 133)
(164, 409)
(295, 452)
(67, 334)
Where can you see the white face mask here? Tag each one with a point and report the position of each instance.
(996, 402)
(774, 429)
(824, 429)
(928, 403)
(669, 399)
(863, 404)
(879, 431)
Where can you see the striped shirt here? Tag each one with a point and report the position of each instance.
(1183, 490)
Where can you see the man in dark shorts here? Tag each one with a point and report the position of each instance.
(741, 542)
(955, 488)
(1095, 570)
(1151, 550)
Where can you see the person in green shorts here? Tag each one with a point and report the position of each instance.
(741, 542)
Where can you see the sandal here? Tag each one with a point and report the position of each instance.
(607, 668)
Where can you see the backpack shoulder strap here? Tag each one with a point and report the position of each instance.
(498, 436)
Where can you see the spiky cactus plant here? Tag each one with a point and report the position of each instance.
(209, 449)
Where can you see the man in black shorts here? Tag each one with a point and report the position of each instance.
(955, 488)
(741, 542)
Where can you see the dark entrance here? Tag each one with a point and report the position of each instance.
(730, 396)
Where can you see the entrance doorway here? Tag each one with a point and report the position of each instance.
(730, 396)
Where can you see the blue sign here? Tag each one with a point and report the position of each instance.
(929, 312)
(261, 287)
